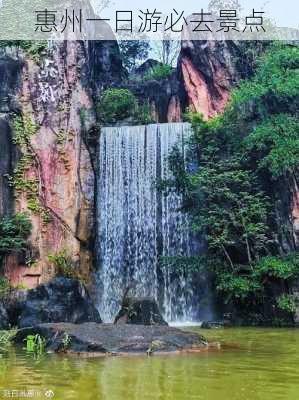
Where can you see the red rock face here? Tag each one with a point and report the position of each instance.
(154, 112)
(208, 70)
(21, 275)
(174, 113)
(52, 96)
(200, 96)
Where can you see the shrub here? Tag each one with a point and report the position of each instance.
(286, 302)
(63, 264)
(14, 232)
(254, 282)
(159, 72)
(6, 338)
(237, 287)
(117, 104)
(142, 114)
(229, 191)
(278, 267)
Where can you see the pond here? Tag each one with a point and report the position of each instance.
(253, 364)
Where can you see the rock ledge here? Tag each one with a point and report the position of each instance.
(94, 339)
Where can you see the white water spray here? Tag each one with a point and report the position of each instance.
(137, 224)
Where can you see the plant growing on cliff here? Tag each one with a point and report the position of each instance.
(14, 232)
(286, 302)
(118, 104)
(6, 338)
(24, 128)
(64, 265)
(159, 72)
(230, 195)
(142, 114)
(275, 142)
(34, 49)
(251, 283)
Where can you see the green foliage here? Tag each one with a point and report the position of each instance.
(159, 72)
(118, 104)
(34, 49)
(142, 114)
(286, 303)
(65, 267)
(133, 51)
(273, 90)
(63, 264)
(66, 341)
(230, 194)
(256, 279)
(284, 268)
(6, 338)
(14, 232)
(276, 142)
(35, 344)
(238, 287)
(24, 129)
(241, 219)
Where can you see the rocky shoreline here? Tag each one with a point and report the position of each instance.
(62, 315)
(94, 339)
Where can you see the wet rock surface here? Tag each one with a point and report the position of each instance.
(60, 300)
(140, 311)
(113, 339)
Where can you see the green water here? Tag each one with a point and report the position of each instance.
(253, 364)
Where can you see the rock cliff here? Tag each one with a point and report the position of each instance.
(49, 104)
(10, 78)
(165, 97)
(208, 70)
(49, 130)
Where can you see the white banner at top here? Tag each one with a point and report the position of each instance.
(155, 20)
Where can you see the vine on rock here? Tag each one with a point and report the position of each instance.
(24, 129)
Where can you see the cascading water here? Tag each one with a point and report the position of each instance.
(137, 224)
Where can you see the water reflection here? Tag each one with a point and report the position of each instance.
(254, 364)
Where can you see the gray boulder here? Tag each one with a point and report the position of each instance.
(61, 300)
(139, 311)
(113, 339)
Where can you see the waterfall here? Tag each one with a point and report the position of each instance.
(137, 224)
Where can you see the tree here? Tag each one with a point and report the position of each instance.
(14, 232)
(166, 51)
(133, 52)
(246, 163)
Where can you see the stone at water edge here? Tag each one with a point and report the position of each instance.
(60, 300)
(140, 311)
(213, 324)
(105, 339)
